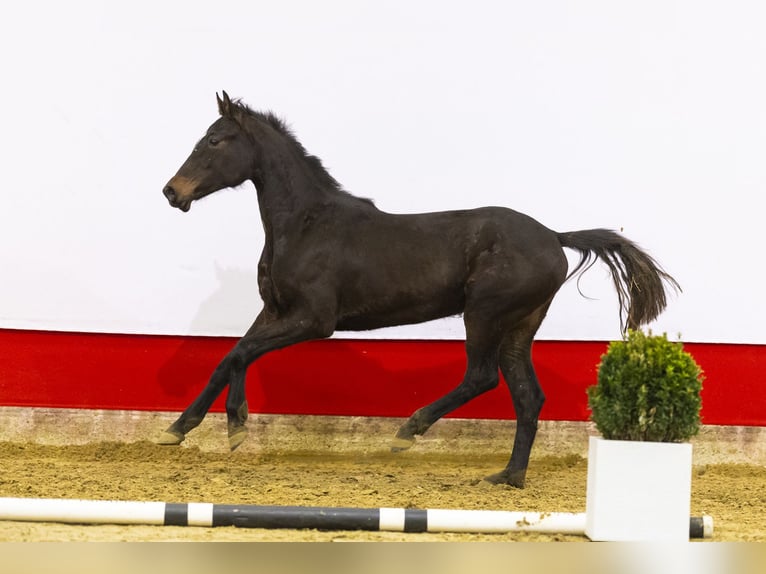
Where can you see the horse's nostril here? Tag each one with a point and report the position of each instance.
(169, 192)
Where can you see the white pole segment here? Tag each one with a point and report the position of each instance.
(82, 511)
(392, 519)
(200, 514)
(440, 520)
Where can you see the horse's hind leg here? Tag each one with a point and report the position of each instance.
(480, 377)
(528, 398)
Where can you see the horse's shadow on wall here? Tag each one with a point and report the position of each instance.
(230, 308)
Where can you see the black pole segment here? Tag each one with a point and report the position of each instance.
(297, 517)
(696, 527)
(176, 514)
(415, 520)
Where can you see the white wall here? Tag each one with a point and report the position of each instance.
(643, 116)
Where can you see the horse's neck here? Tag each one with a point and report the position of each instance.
(291, 186)
(287, 190)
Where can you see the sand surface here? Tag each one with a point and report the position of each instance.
(734, 494)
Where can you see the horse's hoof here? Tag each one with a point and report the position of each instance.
(514, 479)
(242, 412)
(236, 437)
(401, 444)
(169, 437)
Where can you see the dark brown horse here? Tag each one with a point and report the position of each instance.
(332, 261)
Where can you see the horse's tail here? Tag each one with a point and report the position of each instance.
(639, 280)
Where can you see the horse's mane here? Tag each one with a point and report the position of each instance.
(313, 162)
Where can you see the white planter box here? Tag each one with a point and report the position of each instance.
(638, 491)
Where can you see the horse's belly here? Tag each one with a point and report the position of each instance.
(401, 309)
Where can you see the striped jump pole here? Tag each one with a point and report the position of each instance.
(302, 517)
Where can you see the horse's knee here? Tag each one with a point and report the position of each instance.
(234, 362)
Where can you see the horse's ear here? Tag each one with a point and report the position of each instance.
(224, 105)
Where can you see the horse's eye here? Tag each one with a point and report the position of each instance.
(214, 141)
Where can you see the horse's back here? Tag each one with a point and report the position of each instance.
(408, 268)
(466, 235)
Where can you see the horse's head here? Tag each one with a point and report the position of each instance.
(221, 159)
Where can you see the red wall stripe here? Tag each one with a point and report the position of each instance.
(332, 377)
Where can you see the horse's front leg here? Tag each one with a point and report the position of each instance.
(236, 401)
(196, 411)
(231, 371)
(236, 412)
(265, 335)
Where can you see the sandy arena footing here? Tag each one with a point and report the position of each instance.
(343, 434)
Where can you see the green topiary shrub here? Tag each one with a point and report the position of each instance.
(648, 389)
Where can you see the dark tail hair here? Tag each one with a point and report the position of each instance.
(639, 280)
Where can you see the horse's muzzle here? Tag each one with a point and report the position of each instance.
(174, 200)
